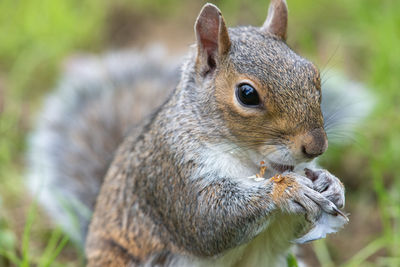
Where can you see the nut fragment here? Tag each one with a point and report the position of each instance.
(263, 168)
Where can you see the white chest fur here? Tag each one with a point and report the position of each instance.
(271, 246)
(225, 160)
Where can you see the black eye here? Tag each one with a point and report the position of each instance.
(247, 95)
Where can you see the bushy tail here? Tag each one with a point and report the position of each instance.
(345, 104)
(98, 100)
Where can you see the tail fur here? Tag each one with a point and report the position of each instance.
(82, 123)
(345, 104)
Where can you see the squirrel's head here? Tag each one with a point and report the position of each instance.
(265, 97)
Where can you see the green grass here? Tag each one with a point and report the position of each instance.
(35, 37)
(360, 37)
(23, 257)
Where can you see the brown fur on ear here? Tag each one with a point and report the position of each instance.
(212, 37)
(277, 19)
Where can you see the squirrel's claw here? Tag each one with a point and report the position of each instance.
(294, 194)
(328, 185)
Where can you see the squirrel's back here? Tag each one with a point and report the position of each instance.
(98, 101)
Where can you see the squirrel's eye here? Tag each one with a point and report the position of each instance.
(247, 95)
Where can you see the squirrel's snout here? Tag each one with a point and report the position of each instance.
(314, 143)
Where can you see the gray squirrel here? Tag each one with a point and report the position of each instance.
(161, 162)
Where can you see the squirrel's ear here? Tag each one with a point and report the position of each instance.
(212, 38)
(277, 19)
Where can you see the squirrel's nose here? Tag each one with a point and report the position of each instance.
(314, 143)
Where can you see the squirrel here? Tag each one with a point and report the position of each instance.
(167, 165)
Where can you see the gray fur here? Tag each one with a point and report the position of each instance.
(49, 144)
(152, 187)
(345, 104)
(98, 100)
(159, 192)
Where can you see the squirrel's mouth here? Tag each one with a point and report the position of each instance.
(281, 167)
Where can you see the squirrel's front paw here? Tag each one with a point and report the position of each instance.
(293, 193)
(328, 185)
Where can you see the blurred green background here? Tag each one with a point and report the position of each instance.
(359, 37)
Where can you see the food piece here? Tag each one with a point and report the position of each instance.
(263, 168)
